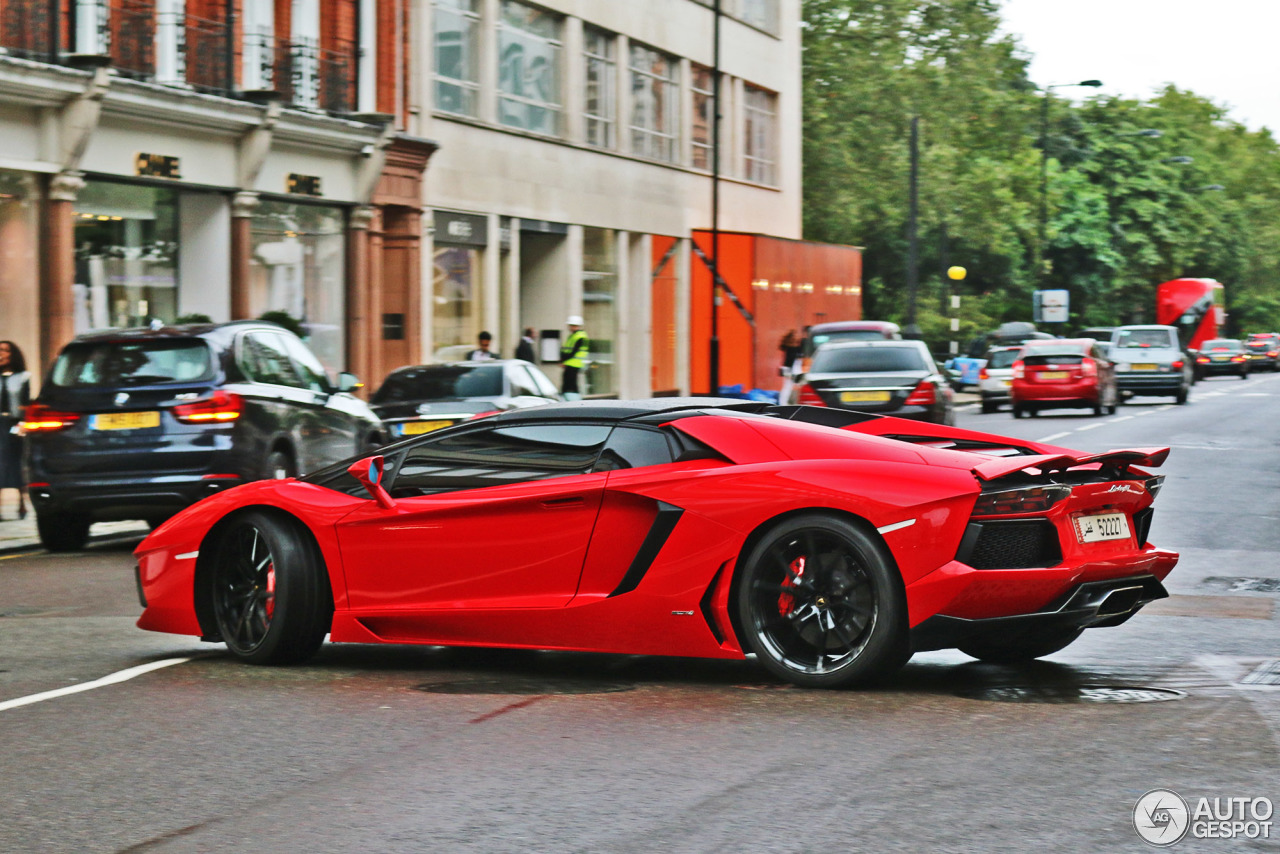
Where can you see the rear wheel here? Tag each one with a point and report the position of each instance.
(1181, 397)
(989, 406)
(1018, 411)
(62, 530)
(1019, 647)
(271, 596)
(821, 605)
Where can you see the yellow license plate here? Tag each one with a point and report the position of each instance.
(417, 428)
(126, 420)
(1054, 375)
(864, 397)
(1145, 367)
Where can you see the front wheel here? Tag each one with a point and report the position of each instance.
(821, 605)
(271, 595)
(1018, 648)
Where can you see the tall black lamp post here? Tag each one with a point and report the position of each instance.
(1044, 168)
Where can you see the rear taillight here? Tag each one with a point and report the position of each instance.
(983, 375)
(1238, 358)
(1176, 366)
(221, 408)
(1088, 369)
(1003, 502)
(923, 395)
(1019, 370)
(1273, 353)
(809, 397)
(1202, 360)
(41, 419)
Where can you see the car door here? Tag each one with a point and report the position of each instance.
(340, 431)
(494, 517)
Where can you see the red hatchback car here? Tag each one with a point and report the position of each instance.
(1064, 373)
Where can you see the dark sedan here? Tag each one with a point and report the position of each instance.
(1222, 356)
(899, 378)
(1264, 350)
(424, 398)
(140, 423)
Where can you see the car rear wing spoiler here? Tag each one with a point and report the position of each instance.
(1121, 459)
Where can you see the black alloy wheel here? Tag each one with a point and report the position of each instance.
(271, 595)
(1018, 648)
(821, 605)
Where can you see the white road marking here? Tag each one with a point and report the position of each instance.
(114, 678)
(1123, 418)
(896, 526)
(1054, 436)
(1093, 426)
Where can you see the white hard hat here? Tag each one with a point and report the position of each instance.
(574, 320)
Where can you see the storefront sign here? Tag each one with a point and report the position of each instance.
(461, 229)
(542, 226)
(303, 185)
(157, 166)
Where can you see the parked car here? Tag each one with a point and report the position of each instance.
(1149, 361)
(996, 377)
(1063, 373)
(829, 544)
(1222, 356)
(846, 330)
(423, 398)
(1263, 349)
(140, 423)
(899, 378)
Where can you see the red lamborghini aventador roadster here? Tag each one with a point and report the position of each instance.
(830, 544)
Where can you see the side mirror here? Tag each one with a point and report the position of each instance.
(369, 472)
(348, 382)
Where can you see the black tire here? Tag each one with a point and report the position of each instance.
(1181, 397)
(989, 406)
(842, 623)
(1018, 648)
(62, 530)
(1098, 408)
(279, 465)
(271, 597)
(1018, 411)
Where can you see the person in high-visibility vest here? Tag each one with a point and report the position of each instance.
(573, 355)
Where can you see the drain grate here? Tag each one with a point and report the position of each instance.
(1071, 694)
(523, 687)
(1243, 584)
(1267, 673)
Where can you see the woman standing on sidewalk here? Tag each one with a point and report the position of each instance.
(15, 393)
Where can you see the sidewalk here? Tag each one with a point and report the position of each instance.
(19, 535)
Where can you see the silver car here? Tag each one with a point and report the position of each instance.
(1149, 361)
(995, 377)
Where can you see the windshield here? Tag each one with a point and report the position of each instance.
(1055, 351)
(1220, 344)
(112, 363)
(441, 382)
(839, 360)
(1144, 338)
(1002, 358)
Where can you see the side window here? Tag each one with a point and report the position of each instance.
(633, 447)
(309, 369)
(264, 359)
(499, 455)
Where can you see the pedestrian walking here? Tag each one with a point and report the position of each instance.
(791, 349)
(525, 349)
(482, 352)
(15, 393)
(574, 356)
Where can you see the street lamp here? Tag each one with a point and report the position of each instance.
(1044, 166)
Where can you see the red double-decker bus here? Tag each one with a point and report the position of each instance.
(1196, 307)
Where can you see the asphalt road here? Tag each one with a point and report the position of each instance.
(388, 749)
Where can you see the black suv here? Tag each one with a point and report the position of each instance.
(140, 423)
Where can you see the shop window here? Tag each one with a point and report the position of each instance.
(760, 135)
(529, 68)
(457, 51)
(600, 105)
(600, 309)
(126, 256)
(298, 266)
(701, 130)
(456, 288)
(654, 91)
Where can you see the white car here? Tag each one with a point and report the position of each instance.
(996, 376)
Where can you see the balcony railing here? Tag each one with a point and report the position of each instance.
(159, 42)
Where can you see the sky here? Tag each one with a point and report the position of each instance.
(1224, 50)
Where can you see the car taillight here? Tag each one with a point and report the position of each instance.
(809, 397)
(1036, 499)
(221, 408)
(38, 418)
(983, 375)
(1202, 360)
(1088, 368)
(1238, 358)
(923, 395)
(1273, 353)
(1019, 370)
(1176, 366)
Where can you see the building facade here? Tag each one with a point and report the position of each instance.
(177, 157)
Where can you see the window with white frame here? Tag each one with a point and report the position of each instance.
(600, 105)
(457, 52)
(701, 130)
(529, 68)
(760, 134)
(654, 98)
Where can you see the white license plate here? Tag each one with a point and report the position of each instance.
(1102, 526)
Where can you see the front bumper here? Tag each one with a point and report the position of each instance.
(1092, 604)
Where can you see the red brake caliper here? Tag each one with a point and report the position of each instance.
(271, 589)
(787, 602)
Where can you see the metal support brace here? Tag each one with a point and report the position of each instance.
(742, 309)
